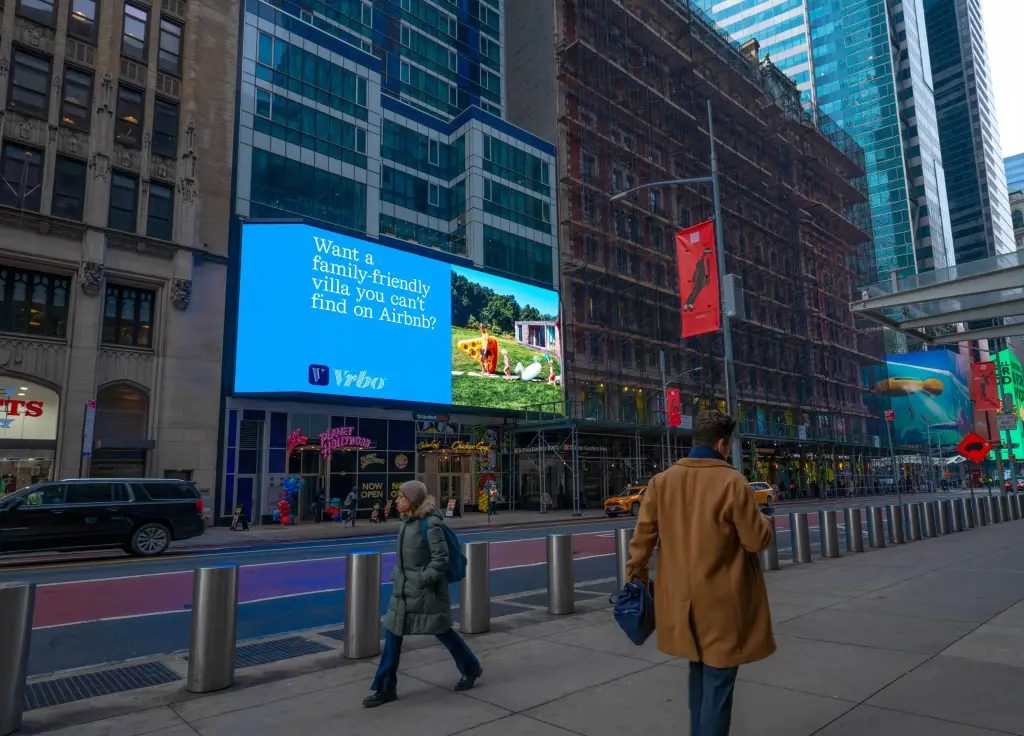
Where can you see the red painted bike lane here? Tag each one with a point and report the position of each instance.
(61, 604)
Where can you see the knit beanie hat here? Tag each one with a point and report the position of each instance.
(414, 491)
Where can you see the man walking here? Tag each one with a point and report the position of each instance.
(710, 597)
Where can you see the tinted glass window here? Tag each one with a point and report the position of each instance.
(90, 493)
(47, 495)
(169, 491)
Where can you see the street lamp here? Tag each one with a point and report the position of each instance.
(730, 369)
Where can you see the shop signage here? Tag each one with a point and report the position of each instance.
(368, 460)
(296, 439)
(339, 437)
(401, 461)
(429, 445)
(28, 411)
(431, 417)
(456, 446)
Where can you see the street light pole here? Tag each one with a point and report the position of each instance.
(664, 398)
(731, 400)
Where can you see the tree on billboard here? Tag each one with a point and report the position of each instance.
(473, 304)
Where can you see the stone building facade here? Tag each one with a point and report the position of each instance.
(115, 184)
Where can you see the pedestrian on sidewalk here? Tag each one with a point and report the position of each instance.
(420, 605)
(351, 505)
(710, 598)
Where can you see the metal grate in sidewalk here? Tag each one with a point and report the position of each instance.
(94, 684)
(336, 634)
(265, 652)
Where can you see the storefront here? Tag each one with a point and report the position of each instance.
(28, 432)
(371, 451)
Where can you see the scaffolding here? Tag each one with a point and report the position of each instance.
(632, 79)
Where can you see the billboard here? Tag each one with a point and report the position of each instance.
(986, 392)
(325, 313)
(926, 391)
(698, 280)
(1011, 382)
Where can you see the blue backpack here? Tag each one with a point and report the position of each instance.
(634, 612)
(456, 560)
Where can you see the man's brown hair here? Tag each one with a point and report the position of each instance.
(711, 427)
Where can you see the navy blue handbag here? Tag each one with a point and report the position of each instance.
(634, 611)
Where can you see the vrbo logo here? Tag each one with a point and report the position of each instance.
(359, 380)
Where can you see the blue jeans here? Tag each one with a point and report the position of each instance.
(711, 699)
(386, 680)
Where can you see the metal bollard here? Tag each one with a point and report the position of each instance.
(475, 589)
(770, 554)
(800, 537)
(970, 513)
(622, 539)
(1015, 506)
(828, 530)
(17, 606)
(362, 605)
(930, 522)
(995, 510)
(945, 517)
(876, 527)
(1004, 507)
(211, 650)
(561, 590)
(913, 512)
(983, 512)
(959, 515)
(854, 533)
(897, 533)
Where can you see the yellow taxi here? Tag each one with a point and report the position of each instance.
(763, 493)
(627, 502)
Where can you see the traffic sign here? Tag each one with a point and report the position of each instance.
(890, 415)
(1007, 421)
(974, 447)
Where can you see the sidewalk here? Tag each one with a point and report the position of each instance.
(221, 536)
(925, 638)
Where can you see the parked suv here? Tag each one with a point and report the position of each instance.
(142, 516)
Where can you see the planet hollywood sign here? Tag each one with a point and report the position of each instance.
(340, 437)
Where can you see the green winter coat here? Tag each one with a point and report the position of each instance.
(420, 604)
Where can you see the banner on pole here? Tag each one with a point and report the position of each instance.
(698, 280)
(986, 392)
(675, 408)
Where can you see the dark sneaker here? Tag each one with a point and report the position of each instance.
(378, 699)
(467, 683)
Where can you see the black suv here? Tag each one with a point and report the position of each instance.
(141, 516)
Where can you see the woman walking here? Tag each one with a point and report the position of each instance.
(419, 598)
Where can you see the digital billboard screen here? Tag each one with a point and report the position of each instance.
(928, 391)
(325, 313)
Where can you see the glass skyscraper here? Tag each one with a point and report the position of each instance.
(865, 64)
(1014, 166)
(386, 120)
(979, 206)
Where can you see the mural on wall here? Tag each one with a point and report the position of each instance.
(486, 463)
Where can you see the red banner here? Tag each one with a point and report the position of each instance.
(698, 279)
(985, 393)
(675, 407)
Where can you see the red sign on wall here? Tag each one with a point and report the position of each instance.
(984, 390)
(698, 279)
(890, 415)
(675, 408)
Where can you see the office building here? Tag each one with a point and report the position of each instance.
(1014, 167)
(1017, 217)
(979, 210)
(114, 203)
(384, 121)
(624, 89)
(865, 64)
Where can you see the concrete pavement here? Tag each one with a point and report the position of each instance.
(922, 638)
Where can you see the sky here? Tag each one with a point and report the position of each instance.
(1004, 22)
(544, 301)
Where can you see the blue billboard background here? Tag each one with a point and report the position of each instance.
(926, 389)
(325, 313)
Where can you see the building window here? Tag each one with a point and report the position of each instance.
(406, 71)
(69, 188)
(165, 128)
(433, 195)
(133, 39)
(37, 10)
(30, 84)
(33, 303)
(77, 100)
(128, 316)
(22, 173)
(123, 189)
(128, 126)
(169, 59)
(82, 22)
(160, 215)
(433, 152)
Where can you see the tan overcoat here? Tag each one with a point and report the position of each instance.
(710, 600)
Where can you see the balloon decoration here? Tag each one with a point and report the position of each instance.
(334, 509)
(290, 488)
